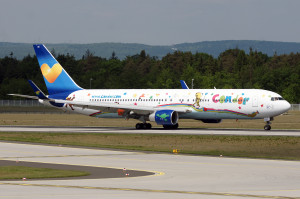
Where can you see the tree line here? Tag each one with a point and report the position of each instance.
(233, 68)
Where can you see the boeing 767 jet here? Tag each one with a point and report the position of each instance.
(163, 106)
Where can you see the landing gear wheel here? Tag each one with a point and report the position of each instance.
(139, 126)
(143, 126)
(267, 127)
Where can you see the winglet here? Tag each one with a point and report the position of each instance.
(37, 90)
(183, 84)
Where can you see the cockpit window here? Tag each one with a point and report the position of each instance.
(277, 98)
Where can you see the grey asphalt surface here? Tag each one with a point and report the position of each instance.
(179, 131)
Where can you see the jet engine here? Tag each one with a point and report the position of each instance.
(164, 117)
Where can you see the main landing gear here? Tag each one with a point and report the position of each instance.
(267, 127)
(143, 126)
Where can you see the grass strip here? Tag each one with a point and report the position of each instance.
(19, 172)
(271, 147)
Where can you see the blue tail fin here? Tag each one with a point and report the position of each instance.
(56, 78)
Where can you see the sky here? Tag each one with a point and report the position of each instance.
(152, 22)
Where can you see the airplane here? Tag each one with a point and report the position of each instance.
(163, 106)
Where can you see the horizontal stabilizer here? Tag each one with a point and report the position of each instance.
(37, 91)
(25, 96)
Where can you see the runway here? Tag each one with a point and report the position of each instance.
(175, 176)
(184, 131)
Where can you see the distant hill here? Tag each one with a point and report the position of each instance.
(122, 50)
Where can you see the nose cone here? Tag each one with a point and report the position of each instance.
(286, 106)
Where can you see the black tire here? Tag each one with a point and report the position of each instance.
(144, 125)
(138, 125)
(267, 127)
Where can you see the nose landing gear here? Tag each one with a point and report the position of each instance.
(267, 127)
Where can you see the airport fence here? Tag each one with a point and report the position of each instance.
(35, 106)
(22, 103)
(295, 107)
(27, 106)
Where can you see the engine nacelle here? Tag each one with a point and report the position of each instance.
(164, 117)
(211, 120)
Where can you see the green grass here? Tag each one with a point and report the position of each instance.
(19, 172)
(272, 147)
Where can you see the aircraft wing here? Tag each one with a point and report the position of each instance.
(115, 106)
